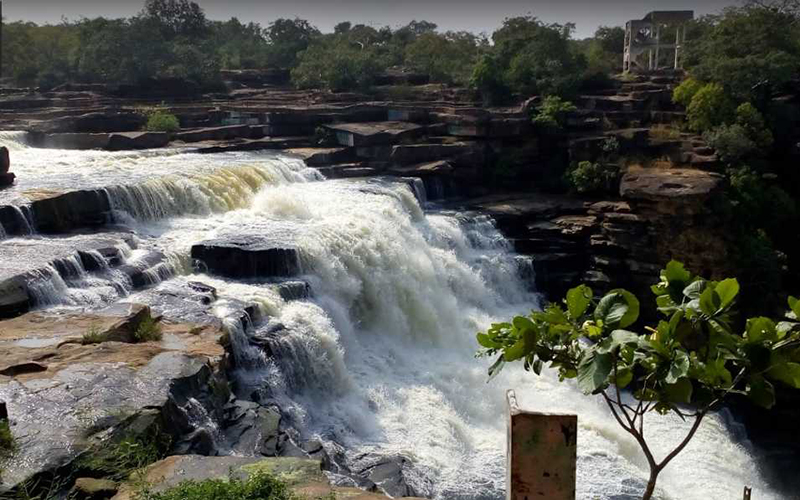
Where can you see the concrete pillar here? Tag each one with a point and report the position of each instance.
(542, 454)
(658, 44)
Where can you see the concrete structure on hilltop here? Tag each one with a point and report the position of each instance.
(644, 49)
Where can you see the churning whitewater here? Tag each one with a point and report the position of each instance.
(380, 360)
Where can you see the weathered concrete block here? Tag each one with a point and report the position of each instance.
(542, 454)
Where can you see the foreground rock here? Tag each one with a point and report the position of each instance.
(64, 397)
(304, 477)
(247, 258)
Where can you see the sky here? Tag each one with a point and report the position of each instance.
(472, 15)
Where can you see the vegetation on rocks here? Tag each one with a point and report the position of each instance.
(593, 177)
(149, 330)
(93, 336)
(161, 121)
(552, 114)
(699, 355)
(258, 486)
(7, 443)
(117, 459)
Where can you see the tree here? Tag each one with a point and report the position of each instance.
(689, 363)
(287, 38)
(176, 17)
(709, 108)
(447, 57)
(333, 62)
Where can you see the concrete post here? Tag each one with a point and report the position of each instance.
(658, 44)
(542, 454)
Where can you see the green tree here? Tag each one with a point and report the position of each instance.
(709, 108)
(694, 358)
(176, 18)
(447, 57)
(287, 38)
(333, 62)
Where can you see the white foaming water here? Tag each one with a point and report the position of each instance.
(204, 183)
(381, 360)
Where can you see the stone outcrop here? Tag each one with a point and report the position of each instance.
(247, 258)
(6, 177)
(137, 140)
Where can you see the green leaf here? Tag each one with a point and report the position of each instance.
(624, 378)
(675, 272)
(788, 373)
(694, 289)
(760, 329)
(537, 367)
(709, 301)
(578, 300)
(784, 328)
(522, 323)
(619, 308)
(680, 391)
(516, 351)
(593, 371)
(487, 342)
(497, 367)
(623, 337)
(727, 291)
(794, 305)
(679, 368)
(761, 392)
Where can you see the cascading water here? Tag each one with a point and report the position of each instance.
(380, 361)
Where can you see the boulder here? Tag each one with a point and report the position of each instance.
(63, 212)
(95, 489)
(247, 258)
(7, 179)
(5, 161)
(669, 184)
(137, 140)
(103, 121)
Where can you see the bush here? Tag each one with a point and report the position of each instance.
(709, 108)
(161, 121)
(259, 486)
(748, 138)
(685, 92)
(588, 177)
(7, 443)
(552, 114)
(148, 331)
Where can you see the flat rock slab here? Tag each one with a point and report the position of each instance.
(304, 477)
(249, 257)
(373, 133)
(674, 183)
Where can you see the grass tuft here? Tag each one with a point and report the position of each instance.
(93, 336)
(148, 331)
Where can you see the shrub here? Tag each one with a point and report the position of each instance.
(731, 143)
(685, 92)
(709, 108)
(337, 65)
(161, 121)
(588, 177)
(259, 486)
(695, 357)
(148, 331)
(552, 113)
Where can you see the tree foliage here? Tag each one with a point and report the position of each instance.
(688, 363)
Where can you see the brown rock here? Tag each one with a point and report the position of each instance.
(7, 179)
(95, 488)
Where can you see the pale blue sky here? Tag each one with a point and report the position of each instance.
(473, 15)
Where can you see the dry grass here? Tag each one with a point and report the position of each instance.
(664, 132)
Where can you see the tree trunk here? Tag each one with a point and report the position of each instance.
(651, 485)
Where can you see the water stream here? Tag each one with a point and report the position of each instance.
(380, 360)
